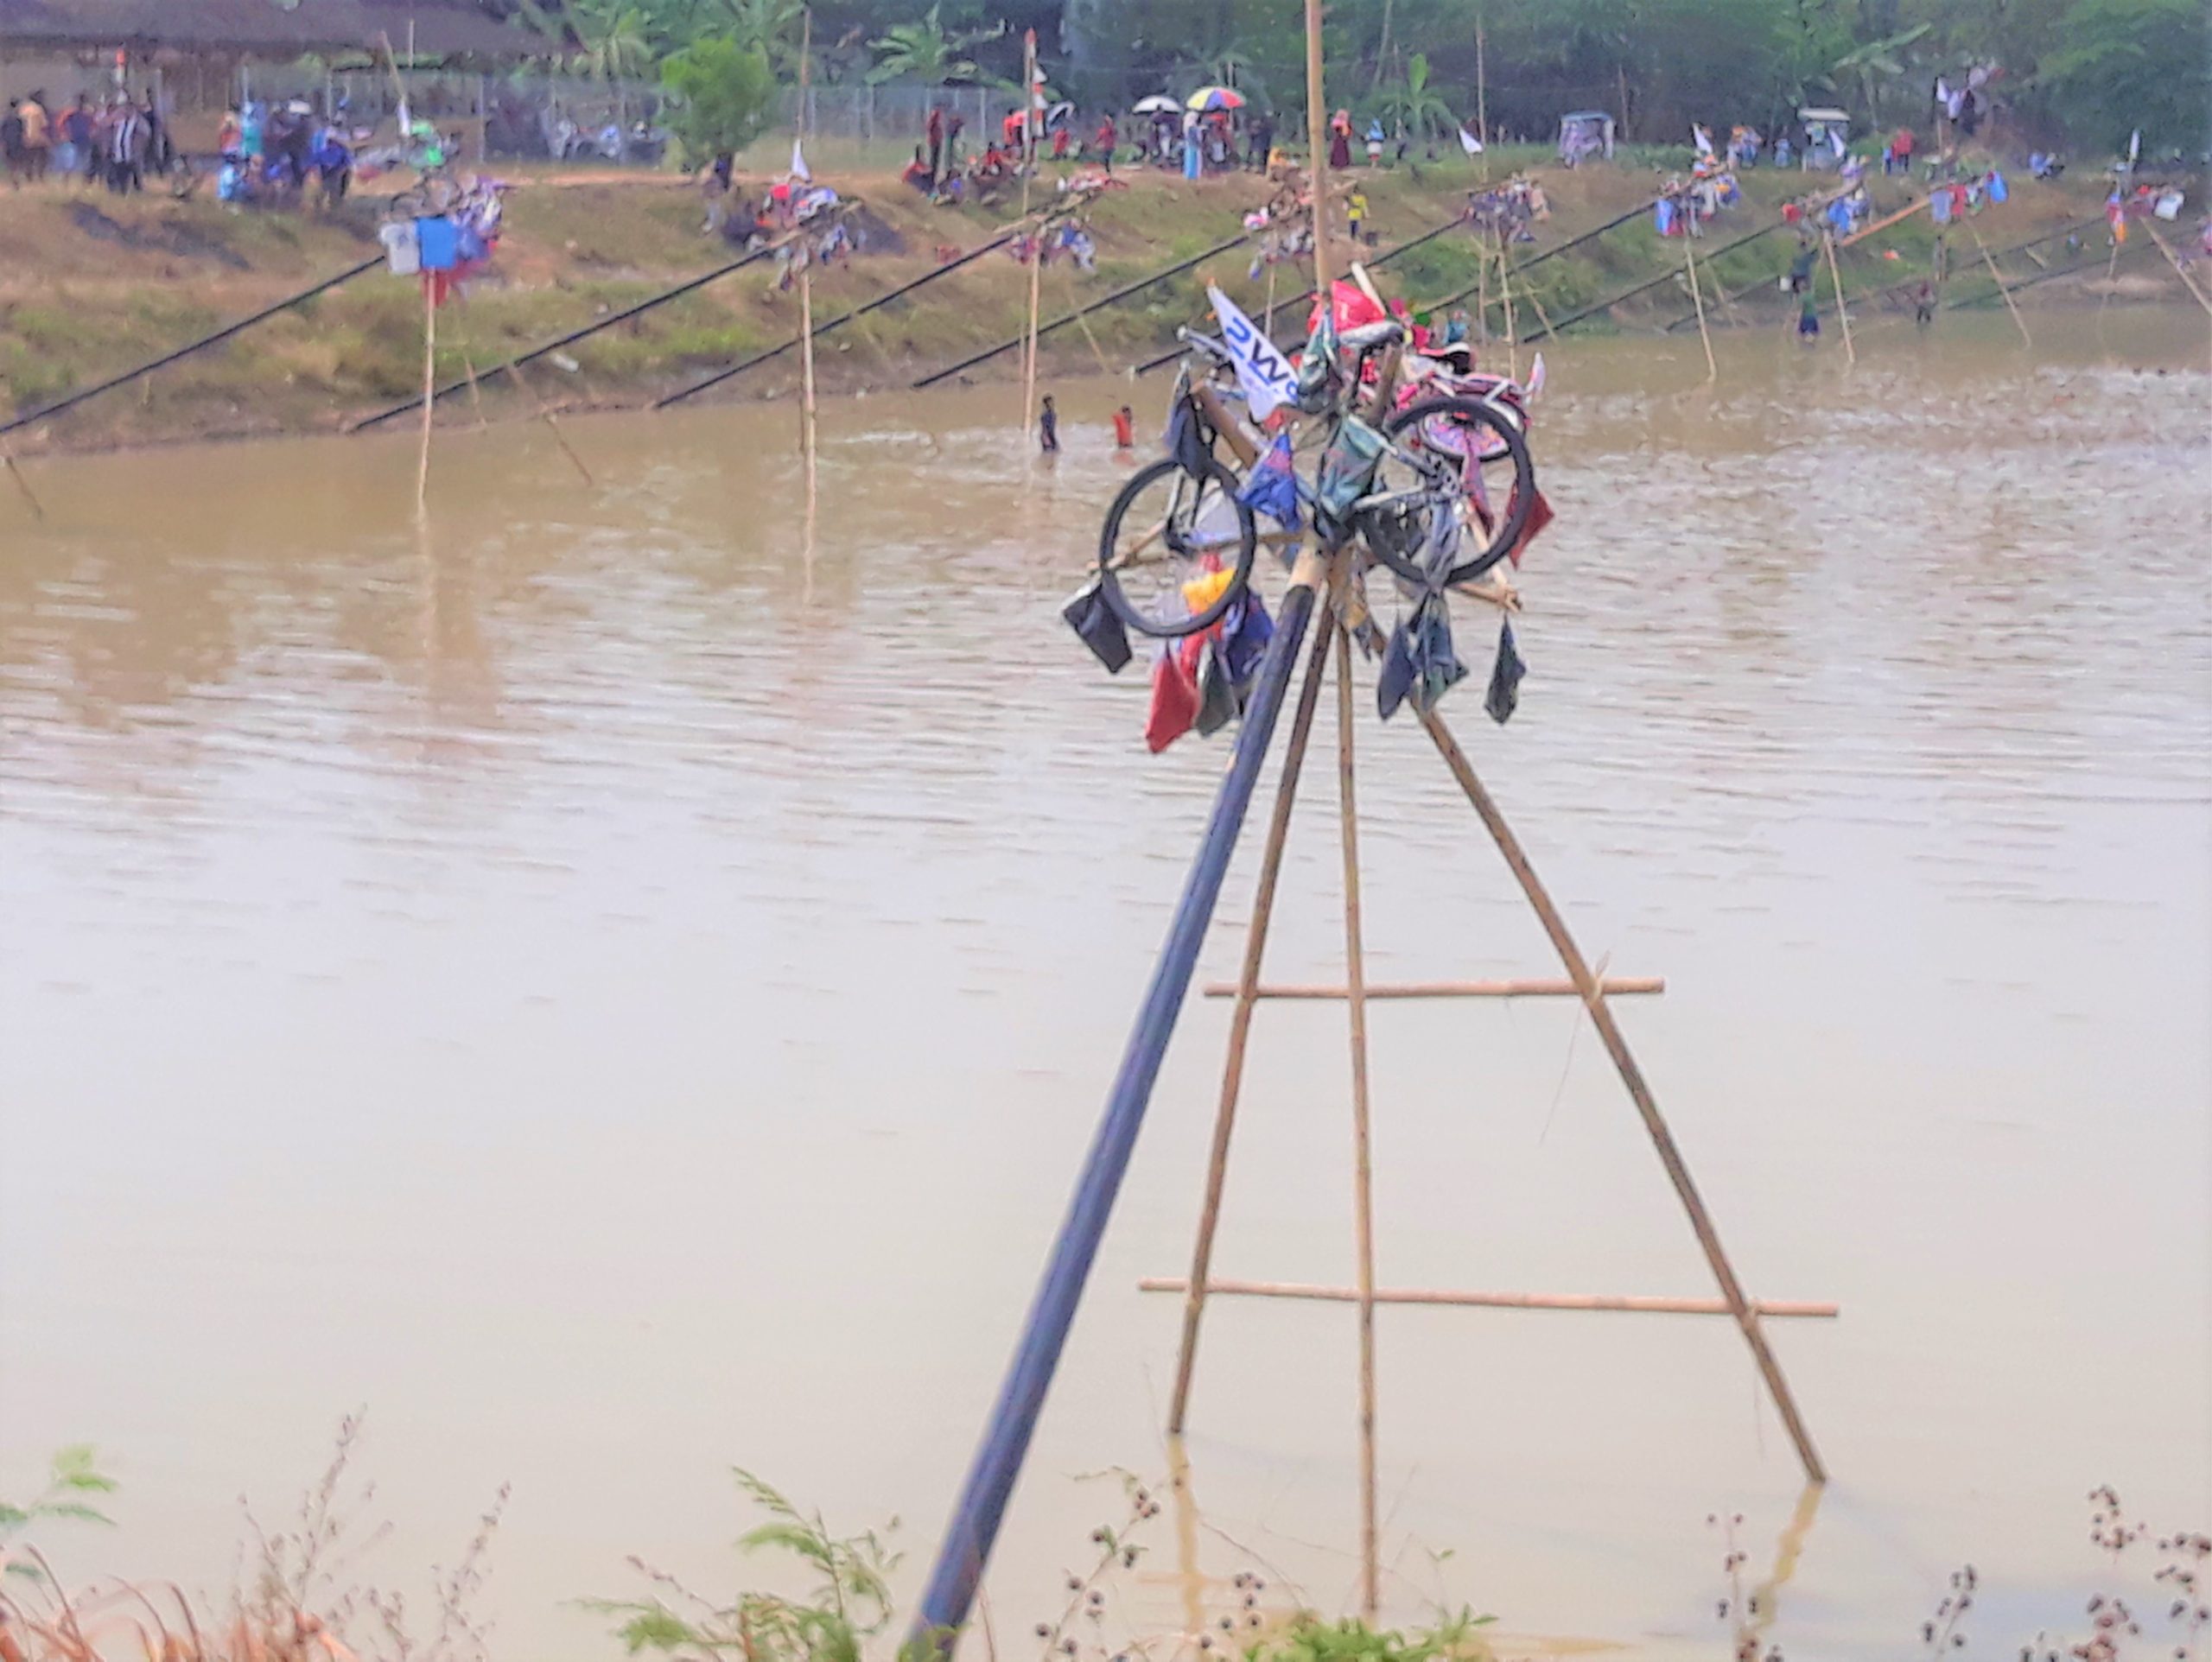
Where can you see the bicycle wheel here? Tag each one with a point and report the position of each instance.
(1459, 455)
(1167, 529)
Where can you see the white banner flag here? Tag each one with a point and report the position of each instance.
(799, 164)
(1262, 369)
(1468, 143)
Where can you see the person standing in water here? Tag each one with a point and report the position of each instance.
(1809, 320)
(1048, 427)
(1125, 428)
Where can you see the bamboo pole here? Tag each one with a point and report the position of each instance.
(806, 371)
(1505, 298)
(1647, 1105)
(1482, 89)
(475, 395)
(1316, 138)
(1267, 313)
(1246, 991)
(804, 251)
(1997, 278)
(430, 385)
(1634, 1303)
(1697, 295)
(1037, 240)
(546, 413)
(1362, 1164)
(38, 510)
(2172, 259)
(1842, 311)
(1520, 987)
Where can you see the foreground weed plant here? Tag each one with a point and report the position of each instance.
(850, 1602)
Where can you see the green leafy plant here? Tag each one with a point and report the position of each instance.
(1416, 107)
(850, 1601)
(725, 96)
(73, 1475)
(924, 51)
(616, 38)
(1309, 1639)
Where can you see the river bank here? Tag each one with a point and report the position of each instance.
(92, 285)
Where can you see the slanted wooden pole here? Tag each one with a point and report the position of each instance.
(1267, 313)
(1633, 1304)
(514, 367)
(1647, 1105)
(1997, 278)
(475, 394)
(1246, 990)
(1505, 297)
(1697, 296)
(430, 387)
(1316, 138)
(1842, 311)
(1362, 1163)
(38, 511)
(2182, 271)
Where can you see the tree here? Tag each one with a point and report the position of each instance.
(724, 95)
(1867, 69)
(2123, 65)
(1415, 107)
(616, 37)
(924, 52)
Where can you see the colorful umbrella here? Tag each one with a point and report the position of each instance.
(1216, 98)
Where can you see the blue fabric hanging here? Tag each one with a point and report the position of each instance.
(439, 240)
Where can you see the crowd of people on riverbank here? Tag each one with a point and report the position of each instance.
(117, 142)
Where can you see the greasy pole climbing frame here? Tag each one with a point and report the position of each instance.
(1315, 599)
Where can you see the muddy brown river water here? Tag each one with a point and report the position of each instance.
(619, 998)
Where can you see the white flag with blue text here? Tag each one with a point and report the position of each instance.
(1262, 369)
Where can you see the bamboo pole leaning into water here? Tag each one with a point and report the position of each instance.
(1842, 311)
(1647, 1105)
(38, 508)
(1997, 278)
(2180, 270)
(1697, 295)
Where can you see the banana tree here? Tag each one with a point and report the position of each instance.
(1416, 107)
(1867, 70)
(925, 52)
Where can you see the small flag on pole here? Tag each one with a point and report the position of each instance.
(799, 169)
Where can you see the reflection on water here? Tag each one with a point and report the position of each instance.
(618, 996)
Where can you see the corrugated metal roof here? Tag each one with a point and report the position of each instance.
(442, 27)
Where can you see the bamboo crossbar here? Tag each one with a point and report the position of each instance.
(1636, 1303)
(1527, 986)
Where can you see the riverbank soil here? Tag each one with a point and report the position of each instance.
(92, 285)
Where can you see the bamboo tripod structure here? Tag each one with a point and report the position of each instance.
(1581, 981)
